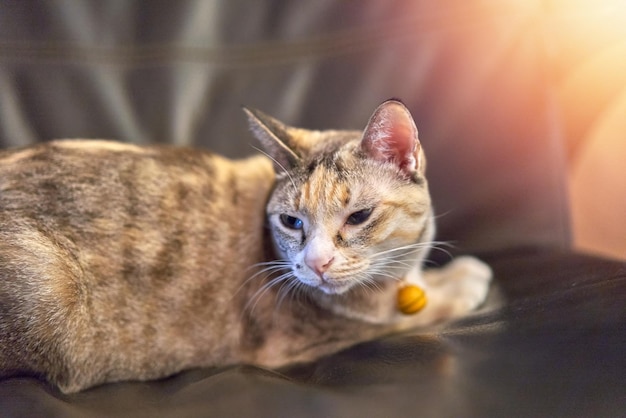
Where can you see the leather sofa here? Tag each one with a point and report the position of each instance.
(551, 338)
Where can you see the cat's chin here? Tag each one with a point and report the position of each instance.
(329, 287)
(325, 285)
(333, 288)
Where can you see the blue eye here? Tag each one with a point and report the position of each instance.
(359, 217)
(291, 222)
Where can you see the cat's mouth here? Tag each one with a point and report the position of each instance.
(326, 282)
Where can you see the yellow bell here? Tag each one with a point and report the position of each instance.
(411, 299)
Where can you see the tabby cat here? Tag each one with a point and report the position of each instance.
(120, 262)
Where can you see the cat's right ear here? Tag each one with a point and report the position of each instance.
(274, 137)
(391, 136)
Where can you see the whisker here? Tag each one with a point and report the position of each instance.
(269, 263)
(256, 297)
(411, 248)
(370, 284)
(443, 250)
(296, 290)
(266, 272)
(398, 249)
(293, 183)
(285, 291)
(441, 215)
(392, 255)
(385, 274)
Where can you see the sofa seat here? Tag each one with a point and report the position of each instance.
(550, 341)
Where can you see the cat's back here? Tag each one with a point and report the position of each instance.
(76, 183)
(129, 211)
(75, 166)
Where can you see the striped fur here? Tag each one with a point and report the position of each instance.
(120, 262)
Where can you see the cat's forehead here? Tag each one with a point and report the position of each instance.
(335, 182)
(327, 186)
(326, 143)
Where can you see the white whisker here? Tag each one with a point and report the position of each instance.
(256, 297)
(286, 289)
(446, 252)
(270, 267)
(293, 183)
(441, 215)
(398, 257)
(370, 284)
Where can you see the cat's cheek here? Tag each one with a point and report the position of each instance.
(285, 245)
(406, 231)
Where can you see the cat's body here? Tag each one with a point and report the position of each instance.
(120, 262)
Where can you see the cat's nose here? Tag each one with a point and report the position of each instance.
(319, 264)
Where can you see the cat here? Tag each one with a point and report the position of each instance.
(120, 262)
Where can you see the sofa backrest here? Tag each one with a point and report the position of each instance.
(473, 74)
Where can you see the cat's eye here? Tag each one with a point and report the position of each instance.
(291, 222)
(359, 217)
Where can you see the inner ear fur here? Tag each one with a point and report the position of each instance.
(391, 136)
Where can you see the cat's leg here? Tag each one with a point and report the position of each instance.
(43, 315)
(451, 291)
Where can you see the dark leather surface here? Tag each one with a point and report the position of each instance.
(550, 342)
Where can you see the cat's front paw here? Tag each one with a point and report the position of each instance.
(474, 277)
(462, 285)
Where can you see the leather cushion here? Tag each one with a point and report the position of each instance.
(549, 342)
(474, 74)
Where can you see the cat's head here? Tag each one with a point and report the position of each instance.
(348, 207)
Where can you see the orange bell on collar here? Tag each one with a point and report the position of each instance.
(411, 299)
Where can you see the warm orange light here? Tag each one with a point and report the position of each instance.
(590, 60)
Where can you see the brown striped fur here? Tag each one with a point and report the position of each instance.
(120, 262)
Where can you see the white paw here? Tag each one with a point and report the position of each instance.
(462, 285)
(474, 278)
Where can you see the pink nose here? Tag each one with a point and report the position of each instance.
(319, 264)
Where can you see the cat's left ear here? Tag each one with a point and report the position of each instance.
(274, 137)
(391, 136)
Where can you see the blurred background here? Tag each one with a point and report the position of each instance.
(521, 104)
(587, 40)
